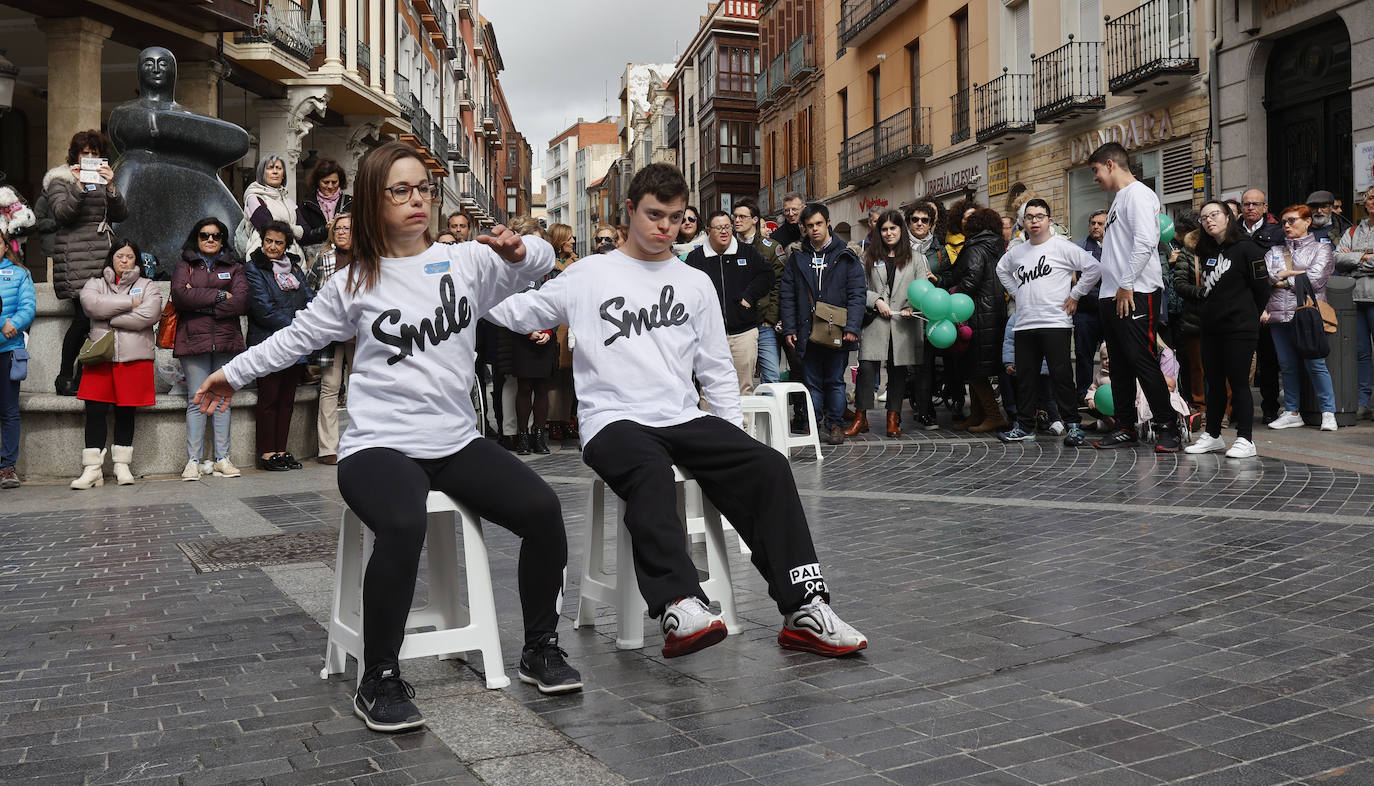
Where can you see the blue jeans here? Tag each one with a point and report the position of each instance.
(1364, 354)
(9, 413)
(1292, 380)
(823, 370)
(197, 368)
(768, 353)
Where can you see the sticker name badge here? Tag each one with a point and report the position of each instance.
(435, 268)
(1211, 263)
(6, 272)
(741, 262)
(136, 291)
(224, 276)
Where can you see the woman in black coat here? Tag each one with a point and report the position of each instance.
(974, 273)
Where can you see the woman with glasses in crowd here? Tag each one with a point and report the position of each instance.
(210, 292)
(1300, 253)
(1232, 288)
(412, 424)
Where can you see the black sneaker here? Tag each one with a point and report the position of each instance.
(384, 703)
(1120, 438)
(272, 464)
(926, 422)
(289, 461)
(542, 663)
(1167, 439)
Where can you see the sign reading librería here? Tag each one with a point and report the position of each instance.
(1143, 130)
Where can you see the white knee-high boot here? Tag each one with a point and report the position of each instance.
(122, 455)
(91, 461)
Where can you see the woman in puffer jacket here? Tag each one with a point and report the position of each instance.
(1301, 252)
(210, 292)
(18, 306)
(84, 213)
(1186, 271)
(277, 289)
(975, 274)
(122, 301)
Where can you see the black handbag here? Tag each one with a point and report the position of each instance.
(1309, 330)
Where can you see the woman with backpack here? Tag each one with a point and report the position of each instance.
(1301, 253)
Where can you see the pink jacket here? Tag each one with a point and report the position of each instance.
(110, 306)
(1309, 254)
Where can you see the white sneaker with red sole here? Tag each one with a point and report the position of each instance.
(689, 626)
(816, 628)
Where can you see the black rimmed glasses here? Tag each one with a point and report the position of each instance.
(402, 192)
(1215, 215)
(1037, 217)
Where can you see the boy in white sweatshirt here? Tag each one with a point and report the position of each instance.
(645, 324)
(1039, 275)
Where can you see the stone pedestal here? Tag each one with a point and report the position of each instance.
(74, 47)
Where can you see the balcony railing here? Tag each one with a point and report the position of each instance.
(672, 131)
(765, 205)
(283, 26)
(1068, 81)
(488, 119)
(438, 142)
(797, 181)
(761, 95)
(959, 106)
(903, 136)
(404, 97)
(1151, 41)
(458, 145)
(420, 123)
(801, 57)
(779, 188)
(1006, 105)
(858, 18)
(777, 75)
(364, 58)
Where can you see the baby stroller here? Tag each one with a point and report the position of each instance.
(1145, 430)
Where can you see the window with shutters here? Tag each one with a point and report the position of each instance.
(1016, 37)
(1176, 173)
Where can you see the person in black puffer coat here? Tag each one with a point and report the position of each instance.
(1186, 272)
(974, 273)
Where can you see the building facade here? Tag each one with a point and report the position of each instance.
(1295, 104)
(721, 63)
(791, 98)
(581, 152)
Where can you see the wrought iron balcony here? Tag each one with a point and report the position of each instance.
(762, 97)
(1068, 81)
(903, 136)
(283, 26)
(420, 122)
(779, 189)
(404, 97)
(797, 182)
(765, 205)
(1005, 106)
(364, 58)
(801, 58)
(458, 145)
(777, 76)
(672, 131)
(488, 119)
(1150, 44)
(438, 142)
(860, 20)
(959, 107)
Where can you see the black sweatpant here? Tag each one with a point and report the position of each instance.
(1051, 346)
(387, 490)
(1226, 359)
(750, 484)
(77, 332)
(1134, 357)
(1267, 374)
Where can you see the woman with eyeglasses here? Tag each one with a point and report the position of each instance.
(210, 292)
(277, 289)
(1232, 285)
(334, 257)
(1301, 252)
(412, 306)
(690, 236)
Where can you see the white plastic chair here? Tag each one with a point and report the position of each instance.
(784, 390)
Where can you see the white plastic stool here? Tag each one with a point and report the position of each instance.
(620, 590)
(442, 611)
(783, 390)
(769, 422)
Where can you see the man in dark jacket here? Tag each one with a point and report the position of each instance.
(1327, 224)
(790, 232)
(823, 269)
(741, 278)
(746, 218)
(1256, 222)
(1260, 225)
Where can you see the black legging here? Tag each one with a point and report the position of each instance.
(1226, 359)
(532, 395)
(387, 490)
(96, 414)
(76, 335)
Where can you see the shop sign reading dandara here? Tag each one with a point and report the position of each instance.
(1143, 130)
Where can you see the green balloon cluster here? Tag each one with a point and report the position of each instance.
(1166, 229)
(941, 310)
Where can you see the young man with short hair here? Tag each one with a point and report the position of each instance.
(1039, 274)
(646, 323)
(746, 219)
(741, 279)
(1131, 282)
(823, 269)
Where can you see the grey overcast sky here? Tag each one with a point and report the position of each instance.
(564, 58)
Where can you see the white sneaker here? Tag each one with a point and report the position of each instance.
(688, 625)
(1241, 448)
(882, 397)
(1208, 444)
(226, 469)
(816, 628)
(1057, 427)
(192, 470)
(1287, 420)
(1328, 421)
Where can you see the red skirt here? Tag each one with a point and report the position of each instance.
(122, 384)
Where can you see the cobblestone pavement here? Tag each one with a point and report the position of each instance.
(1037, 615)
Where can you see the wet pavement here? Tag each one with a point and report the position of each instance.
(1036, 615)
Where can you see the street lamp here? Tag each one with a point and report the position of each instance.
(8, 74)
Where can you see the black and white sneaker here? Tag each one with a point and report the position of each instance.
(1120, 438)
(542, 664)
(1167, 439)
(384, 703)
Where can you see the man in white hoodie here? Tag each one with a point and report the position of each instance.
(645, 324)
(1039, 275)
